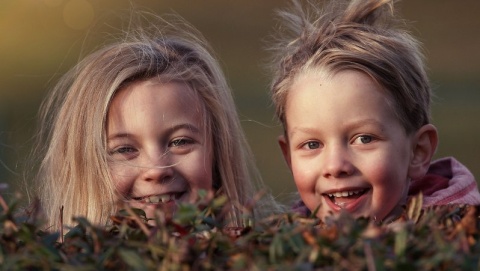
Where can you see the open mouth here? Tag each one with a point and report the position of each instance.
(155, 199)
(345, 197)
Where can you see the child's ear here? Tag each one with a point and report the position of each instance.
(424, 145)
(283, 142)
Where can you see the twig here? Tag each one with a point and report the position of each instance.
(4, 204)
(135, 217)
(61, 224)
(369, 257)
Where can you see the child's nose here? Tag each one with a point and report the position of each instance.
(336, 162)
(158, 169)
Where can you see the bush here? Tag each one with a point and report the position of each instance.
(439, 238)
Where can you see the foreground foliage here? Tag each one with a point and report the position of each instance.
(440, 238)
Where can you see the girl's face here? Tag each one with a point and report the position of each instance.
(346, 148)
(158, 146)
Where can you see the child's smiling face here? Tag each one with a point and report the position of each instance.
(345, 147)
(159, 150)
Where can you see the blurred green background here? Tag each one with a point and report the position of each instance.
(41, 39)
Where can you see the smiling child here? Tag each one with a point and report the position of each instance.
(148, 120)
(351, 91)
(159, 149)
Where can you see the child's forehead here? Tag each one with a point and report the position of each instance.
(319, 73)
(153, 96)
(338, 87)
(185, 93)
(324, 76)
(140, 114)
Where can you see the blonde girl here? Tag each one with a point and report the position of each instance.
(106, 132)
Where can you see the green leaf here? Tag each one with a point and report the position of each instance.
(132, 258)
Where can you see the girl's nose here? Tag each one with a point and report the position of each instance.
(158, 169)
(337, 162)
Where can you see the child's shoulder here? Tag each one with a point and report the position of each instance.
(447, 181)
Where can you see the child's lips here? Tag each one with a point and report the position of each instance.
(347, 199)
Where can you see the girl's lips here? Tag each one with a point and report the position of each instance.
(348, 199)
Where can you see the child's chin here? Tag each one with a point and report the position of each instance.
(154, 211)
(328, 213)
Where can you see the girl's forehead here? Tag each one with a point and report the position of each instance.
(158, 101)
(156, 89)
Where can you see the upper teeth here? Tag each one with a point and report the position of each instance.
(345, 193)
(160, 198)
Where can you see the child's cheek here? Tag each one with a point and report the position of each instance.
(306, 185)
(121, 181)
(384, 180)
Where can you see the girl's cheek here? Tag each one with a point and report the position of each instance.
(121, 181)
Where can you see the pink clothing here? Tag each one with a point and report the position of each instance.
(446, 182)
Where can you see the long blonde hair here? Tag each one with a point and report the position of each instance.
(74, 171)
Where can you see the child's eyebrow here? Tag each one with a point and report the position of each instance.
(365, 122)
(306, 130)
(187, 126)
(349, 125)
(172, 129)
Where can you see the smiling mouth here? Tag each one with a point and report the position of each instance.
(155, 199)
(344, 197)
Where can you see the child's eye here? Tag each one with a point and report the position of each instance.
(364, 139)
(123, 150)
(311, 145)
(179, 142)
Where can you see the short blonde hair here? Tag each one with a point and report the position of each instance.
(74, 170)
(363, 35)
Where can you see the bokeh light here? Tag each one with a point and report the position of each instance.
(53, 3)
(78, 14)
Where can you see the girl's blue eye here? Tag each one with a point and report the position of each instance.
(179, 142)
(124, 150)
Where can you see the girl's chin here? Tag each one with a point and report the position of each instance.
(150, 209)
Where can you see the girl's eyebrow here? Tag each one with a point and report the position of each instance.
(172, 129)
(187, 126)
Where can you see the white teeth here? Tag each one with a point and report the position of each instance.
(165, 198)
(152, 199)
(345, 193)
(161, 198)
